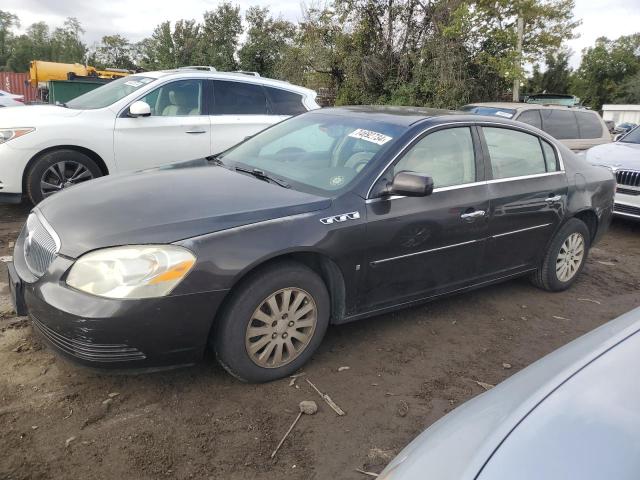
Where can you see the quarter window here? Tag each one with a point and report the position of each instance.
(531, 117)
(176, 99)
(513, 153)
(590, 125)
(549, 157)
(447, 156)
(560, 124)
(284, 102)
(237, 98)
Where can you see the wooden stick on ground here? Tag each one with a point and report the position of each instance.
(327, 399)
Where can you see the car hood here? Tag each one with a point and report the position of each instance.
(34, 115)
(166, 205)
(458, 445)
(618, 154)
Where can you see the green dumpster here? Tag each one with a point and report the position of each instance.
(61, 91)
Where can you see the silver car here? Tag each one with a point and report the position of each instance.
(10, 100)
(575, 414)
(623, 158)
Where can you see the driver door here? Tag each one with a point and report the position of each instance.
(178, 128)
(423, 246)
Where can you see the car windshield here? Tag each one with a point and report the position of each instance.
(632, 137)
(317, 152)
(110, 93)
(491, 111)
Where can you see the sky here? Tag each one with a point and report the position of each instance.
(137, 19)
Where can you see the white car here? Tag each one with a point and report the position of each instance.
(623, 158)
(137, 122)
(10, 100)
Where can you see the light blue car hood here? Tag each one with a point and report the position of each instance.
(458, 445)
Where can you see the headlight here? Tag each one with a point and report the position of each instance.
(141, 271)
(7, 134)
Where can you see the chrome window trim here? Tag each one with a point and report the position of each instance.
(47, 226)
(463, 124)
(413, 254)
(524, 177)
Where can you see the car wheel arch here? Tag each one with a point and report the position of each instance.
(320, 263)
(90, 153)
(590, 219)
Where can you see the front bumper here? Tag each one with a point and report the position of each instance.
(627, 202)
(115, 334)
(13, 161)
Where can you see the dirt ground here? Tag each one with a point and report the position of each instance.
(406, 370)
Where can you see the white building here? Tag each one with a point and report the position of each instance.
(621, 113)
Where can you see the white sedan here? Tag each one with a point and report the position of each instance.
(8, 99)
(137, 122)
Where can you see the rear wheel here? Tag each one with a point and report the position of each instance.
(57, 170)
(273, 323)
(565, 258)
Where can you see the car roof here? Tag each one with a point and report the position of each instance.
(243, 77)
(398, 115)
(526, 106)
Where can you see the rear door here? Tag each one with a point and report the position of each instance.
(240, 110)
(178, 128)
(420, 246)
(527, 188)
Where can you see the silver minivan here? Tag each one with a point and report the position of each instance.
(578, 128)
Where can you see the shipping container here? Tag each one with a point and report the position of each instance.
(18, 84)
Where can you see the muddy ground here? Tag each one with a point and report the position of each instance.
(406, 370)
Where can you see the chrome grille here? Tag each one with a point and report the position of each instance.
(628, 177)
(40, 245)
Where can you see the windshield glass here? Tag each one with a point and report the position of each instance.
(110, 93)
(491, 111)
(318, 152)
(632, 137)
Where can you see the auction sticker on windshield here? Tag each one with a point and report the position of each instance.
(369, 136)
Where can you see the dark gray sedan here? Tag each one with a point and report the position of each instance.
(329, 217)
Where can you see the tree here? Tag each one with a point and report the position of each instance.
(171, 49)
(605, 67)
(556, 77)
(7, 22)
(220, 34)
(66, 44)
(114, 51)
(267, 41)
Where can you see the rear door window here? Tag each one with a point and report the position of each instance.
(531, 117)
(283, 102)
(589, 124)
(238, 98)
(560, 124)
(514, 153)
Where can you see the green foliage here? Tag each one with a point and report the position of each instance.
(220, 36)
(557, 76)
(607, 71)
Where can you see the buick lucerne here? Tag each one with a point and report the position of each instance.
(331, 216)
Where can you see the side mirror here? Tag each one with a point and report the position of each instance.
(139, 109)
(411, 184)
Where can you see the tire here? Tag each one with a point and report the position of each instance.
(231, 340)
(48, 169)
(550, 274)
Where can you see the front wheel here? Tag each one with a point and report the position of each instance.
(565, 258)
(57, 170)
(273, 323)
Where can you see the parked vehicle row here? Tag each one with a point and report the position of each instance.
(319, 219)
(137, 122)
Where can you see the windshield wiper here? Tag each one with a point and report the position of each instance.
(256, 172)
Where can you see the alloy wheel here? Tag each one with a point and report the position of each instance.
(281, 327)
(570, 257)
(61, 175)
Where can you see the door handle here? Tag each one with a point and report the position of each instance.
(555, 198)
(196, 131)
(472, 215)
